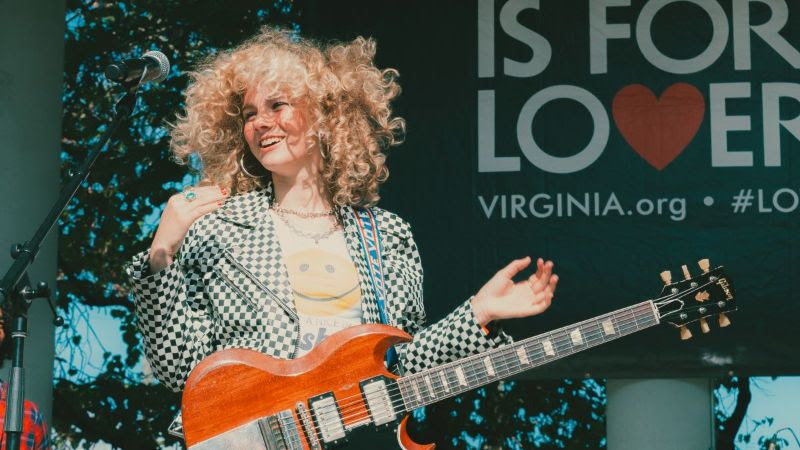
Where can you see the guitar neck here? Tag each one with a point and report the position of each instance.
(441, 382)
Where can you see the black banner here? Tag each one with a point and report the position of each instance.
(618, 138)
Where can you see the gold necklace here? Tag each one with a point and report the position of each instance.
(304, 214)
(316, 237)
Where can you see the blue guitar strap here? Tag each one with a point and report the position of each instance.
(371, 244)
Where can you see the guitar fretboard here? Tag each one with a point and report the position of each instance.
(435, 384)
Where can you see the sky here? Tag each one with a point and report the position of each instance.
(779, 398)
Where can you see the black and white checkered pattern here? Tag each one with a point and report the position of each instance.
(229, 289)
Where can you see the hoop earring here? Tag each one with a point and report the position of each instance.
(321, 146)
(241, 166)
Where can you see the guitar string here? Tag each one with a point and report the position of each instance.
(635, 310)
(632, 310)
(508, 353)
(505, 358)
(511, 347)
(474, 374)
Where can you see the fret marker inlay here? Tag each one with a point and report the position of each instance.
(608, 327)
(577, 338)
(430, 385)
(523, 356)
(548, 348)
(416, 389)
(489, 366)
(444, 382)
(462, 380)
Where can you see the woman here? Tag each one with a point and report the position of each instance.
(291, 136)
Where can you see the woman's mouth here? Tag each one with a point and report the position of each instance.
(269, 141)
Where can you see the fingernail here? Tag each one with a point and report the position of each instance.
(219, 203)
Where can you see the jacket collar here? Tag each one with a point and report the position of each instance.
(248, 209)
(259, 251)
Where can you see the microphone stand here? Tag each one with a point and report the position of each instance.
(16, 293)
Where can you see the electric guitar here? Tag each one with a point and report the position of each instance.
(241, 398)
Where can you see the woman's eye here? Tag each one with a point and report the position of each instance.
(248, 115)
(278, 105)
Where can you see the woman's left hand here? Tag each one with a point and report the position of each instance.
(502, 298)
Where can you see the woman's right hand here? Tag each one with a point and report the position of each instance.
(177, 218)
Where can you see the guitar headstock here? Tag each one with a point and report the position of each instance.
(693, 299)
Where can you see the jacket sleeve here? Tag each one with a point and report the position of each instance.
(456, 336)
(173, 316)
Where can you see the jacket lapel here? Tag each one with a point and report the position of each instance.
(355, 246)
(258, 252)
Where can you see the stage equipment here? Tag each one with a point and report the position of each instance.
(152, 66)
(16, 293)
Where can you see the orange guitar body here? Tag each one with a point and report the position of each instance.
(242, 399)
(235, 387)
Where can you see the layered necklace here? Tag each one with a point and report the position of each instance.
(316, 237)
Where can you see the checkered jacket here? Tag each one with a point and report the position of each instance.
(228, 288)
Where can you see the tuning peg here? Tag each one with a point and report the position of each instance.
(704, 265)
(686, 273)
(704, 326)
(685, 333)
(666, 277)
(723, 320)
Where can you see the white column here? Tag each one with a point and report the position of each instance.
(31, 66)
(659, 414)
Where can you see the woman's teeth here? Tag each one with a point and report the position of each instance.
(268, 142)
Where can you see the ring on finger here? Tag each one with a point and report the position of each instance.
(189, 194)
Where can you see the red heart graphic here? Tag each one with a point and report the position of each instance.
(658, 129)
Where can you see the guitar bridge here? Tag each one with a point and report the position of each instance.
(280, 432)
(308, 426)
(277, 432)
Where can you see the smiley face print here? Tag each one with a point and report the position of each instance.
(324, 284)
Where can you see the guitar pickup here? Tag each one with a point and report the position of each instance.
(327, 418)
(375, 392)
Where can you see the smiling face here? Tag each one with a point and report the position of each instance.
(276, 132)
(324, 284)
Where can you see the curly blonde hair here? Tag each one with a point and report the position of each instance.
(346, 97)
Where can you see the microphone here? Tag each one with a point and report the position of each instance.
(152, 66)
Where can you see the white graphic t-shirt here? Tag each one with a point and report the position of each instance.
(325, 283)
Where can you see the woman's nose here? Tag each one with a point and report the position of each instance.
(265, 119)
